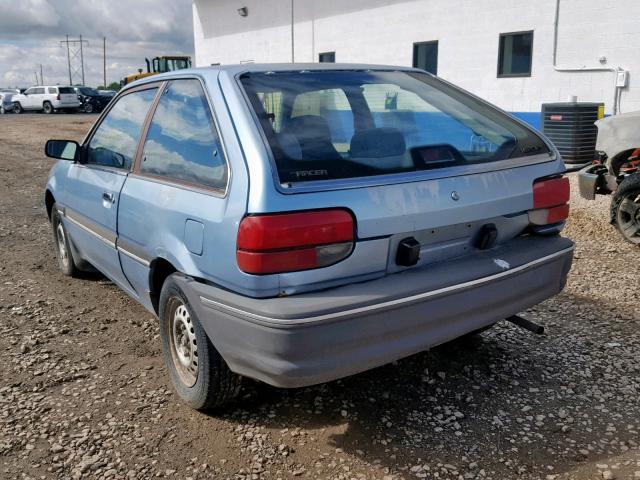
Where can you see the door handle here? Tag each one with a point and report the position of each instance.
(108, 197)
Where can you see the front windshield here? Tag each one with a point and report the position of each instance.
(339, 124)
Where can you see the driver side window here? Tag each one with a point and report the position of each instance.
(115, 141)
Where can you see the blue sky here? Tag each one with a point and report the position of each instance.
(31, 30)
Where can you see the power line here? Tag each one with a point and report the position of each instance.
(75, 58)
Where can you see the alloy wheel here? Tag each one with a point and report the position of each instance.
(629, 217)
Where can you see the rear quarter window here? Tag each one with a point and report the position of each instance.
(182, 142)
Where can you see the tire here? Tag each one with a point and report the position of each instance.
(17, 108)
(47, 108)
(64, 253)
(87, 108)
(625, 209)
(199, 374)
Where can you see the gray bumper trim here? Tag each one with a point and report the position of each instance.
(308, 339)
(280, 322)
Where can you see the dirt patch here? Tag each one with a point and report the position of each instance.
(84, 394)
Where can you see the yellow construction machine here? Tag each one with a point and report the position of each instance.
(159, 65)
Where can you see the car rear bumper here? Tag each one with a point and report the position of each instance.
(65, 105)
(317, 337)
(595, 179)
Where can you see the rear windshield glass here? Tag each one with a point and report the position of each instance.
(324, 125)
(67, 90)
(91, 92)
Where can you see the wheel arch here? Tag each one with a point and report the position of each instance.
(619, 159)
(159, 269)
(49, 200)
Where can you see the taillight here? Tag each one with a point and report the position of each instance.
(58, 97)
(288, 242)
(550, 201)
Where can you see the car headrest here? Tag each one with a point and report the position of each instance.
(290, 145)
(309, 126)
(377, 143)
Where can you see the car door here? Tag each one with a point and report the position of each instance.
(93, 185)
(51, 95)
(38, 98)
(28, 98)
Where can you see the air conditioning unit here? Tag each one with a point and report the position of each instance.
(570, 126)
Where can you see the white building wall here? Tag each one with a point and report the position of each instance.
(383, 32)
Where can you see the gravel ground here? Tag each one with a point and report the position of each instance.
(84, 394)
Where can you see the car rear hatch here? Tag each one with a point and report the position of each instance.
(426, 175)
(67, 96)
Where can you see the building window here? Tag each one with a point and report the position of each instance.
(425, 56)
(327, 57)
(515, 54)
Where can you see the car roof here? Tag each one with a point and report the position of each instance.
(237, 69)
(50, 86)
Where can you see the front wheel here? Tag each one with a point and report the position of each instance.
(200, 375)
(88, 108)
(625, 209)
(64, 253)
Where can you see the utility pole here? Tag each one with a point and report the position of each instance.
(69, 61)
(36, 74)
(75, 55)
(81, 60)
(104, 61)
(41, 78)
(293, 54)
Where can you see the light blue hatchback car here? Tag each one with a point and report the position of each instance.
(300, 223)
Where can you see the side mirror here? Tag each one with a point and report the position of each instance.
(62, 149)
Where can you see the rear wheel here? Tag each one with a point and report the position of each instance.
(17, 108)
(200, 375)
(47, 107)
(625, 209)
(64, 253)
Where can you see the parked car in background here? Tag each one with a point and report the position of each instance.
(107, 93)
(6, 104)
(300, 223)
(91, 101)
(617, 172)
(46, 99)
